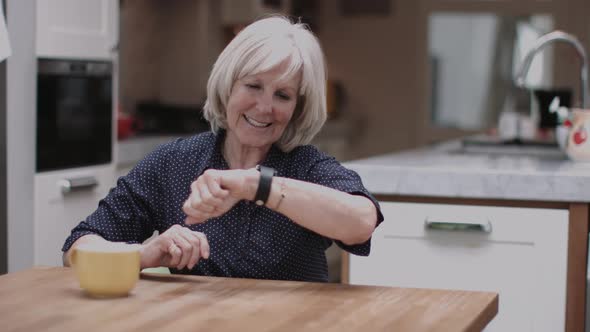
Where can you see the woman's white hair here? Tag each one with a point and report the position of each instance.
(260, 47)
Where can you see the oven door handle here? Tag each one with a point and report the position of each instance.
(82, 183)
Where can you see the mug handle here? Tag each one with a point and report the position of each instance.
(73, 257)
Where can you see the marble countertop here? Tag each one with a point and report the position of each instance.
(133, 149)
(445, 170)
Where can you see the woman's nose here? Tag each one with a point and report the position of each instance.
(264, 103)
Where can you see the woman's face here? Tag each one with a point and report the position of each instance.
(260, 107)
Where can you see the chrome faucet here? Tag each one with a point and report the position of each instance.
(548, 39)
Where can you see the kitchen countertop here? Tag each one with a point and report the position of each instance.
(133, 149)
(444, 171)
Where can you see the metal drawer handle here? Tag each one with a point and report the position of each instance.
(441, 225)
(77, 184)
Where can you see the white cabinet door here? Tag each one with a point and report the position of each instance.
(56, 212)
(86, 29)
(521, 253)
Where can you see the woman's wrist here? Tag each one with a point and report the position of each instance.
(142, 256)
(278, 193)
(252, 181)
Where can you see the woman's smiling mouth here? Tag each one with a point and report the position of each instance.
(255, 123)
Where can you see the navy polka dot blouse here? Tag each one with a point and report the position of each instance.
(249, 241)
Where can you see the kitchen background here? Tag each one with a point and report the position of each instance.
(390, 61)
(402, 74)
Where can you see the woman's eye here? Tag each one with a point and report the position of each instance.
(253, 86)
(283, 96)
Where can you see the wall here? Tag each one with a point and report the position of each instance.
(380, 60)
(139, 64)
(166, 50)
(572, 17)
(375, 59)
(160, 47)
(20, 129)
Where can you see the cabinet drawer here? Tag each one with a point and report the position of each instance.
(521, 253)
(479, 222)
(56, 212)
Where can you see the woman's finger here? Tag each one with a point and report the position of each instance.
(200, 197)
(204, 244)
(195, 242)
(193, 221)
(175, 254)
(195, 199)
(210, 191)
(208, 199)
(195, 216)
(207, 202)
(186, 248)
(192, 211)
(215, 189)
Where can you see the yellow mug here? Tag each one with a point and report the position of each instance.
(106, 269)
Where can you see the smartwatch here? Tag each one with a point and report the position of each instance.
(264, 184)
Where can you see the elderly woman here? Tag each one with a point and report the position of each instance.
(250, 198)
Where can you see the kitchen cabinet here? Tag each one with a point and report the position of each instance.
(443, 175)
(86, 29)
(57, 212)
(520, 252)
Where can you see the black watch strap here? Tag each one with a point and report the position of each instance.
(264, 184)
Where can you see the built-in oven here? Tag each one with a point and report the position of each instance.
(74, 114)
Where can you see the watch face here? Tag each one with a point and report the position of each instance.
(260, 167)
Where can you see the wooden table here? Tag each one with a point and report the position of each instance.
(49, 299)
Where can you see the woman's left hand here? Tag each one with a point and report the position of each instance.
(216, 191)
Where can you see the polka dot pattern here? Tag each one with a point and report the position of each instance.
(249, 241)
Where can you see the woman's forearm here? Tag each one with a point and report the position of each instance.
(326, 211)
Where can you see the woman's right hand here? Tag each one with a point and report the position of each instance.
(178, 247)
(215, 192)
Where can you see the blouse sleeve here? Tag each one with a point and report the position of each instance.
(128, 212)
(327, 171)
